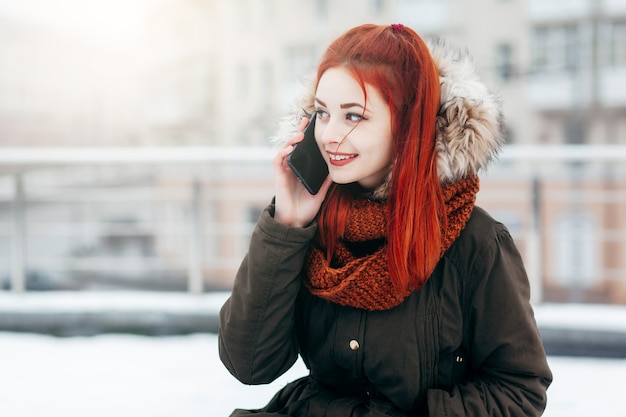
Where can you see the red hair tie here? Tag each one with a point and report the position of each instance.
(397, 27)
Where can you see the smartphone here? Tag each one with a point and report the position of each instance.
(307, 162)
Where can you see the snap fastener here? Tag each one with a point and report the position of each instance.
(354, 345)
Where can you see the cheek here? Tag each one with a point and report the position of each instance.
(385, 145)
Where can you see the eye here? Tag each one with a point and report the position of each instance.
(354, 117)
(321, 114)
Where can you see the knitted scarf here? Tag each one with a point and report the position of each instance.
(358, 275)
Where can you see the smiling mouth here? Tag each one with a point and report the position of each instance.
(341, 157)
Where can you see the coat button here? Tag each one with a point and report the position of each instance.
(354, 345)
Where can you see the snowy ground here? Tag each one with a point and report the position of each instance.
(136, 376)
(181, 376)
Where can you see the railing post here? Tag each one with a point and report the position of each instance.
(18, 258)
(195, 283)
(534, 263)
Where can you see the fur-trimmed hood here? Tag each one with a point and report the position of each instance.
(469, 123)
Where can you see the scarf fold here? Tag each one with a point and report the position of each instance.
(362, 280)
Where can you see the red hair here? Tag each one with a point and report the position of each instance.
(398, 64)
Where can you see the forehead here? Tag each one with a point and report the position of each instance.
(338, 85)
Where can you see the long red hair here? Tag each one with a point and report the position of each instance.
(397, 62)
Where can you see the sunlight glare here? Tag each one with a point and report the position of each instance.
(112, 21)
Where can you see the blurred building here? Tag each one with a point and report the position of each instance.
(577, 87)
(558, 65)
(216, 72)
(178, 74)
(266, 48)
(577, 93)
(60, 89)
(223, 72)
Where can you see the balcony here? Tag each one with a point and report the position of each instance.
(564, 90)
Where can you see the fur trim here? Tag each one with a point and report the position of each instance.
(469, 124)
(303, 106)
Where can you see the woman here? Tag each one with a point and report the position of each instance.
(401, 296)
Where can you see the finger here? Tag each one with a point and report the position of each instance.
(295, 139)
(280, 159)
(284, 151)
(280, 156)
(303, 123)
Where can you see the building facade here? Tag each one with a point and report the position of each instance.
(223, 73)
(215, 72)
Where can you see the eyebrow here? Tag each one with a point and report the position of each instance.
(343, 106)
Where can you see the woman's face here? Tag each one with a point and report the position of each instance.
(354, 136)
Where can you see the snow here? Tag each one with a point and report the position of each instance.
(586, 387)
(101, 301)
(182, 376)
(121, 375)
(611, 318)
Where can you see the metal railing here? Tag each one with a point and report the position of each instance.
(180, 218)
(41, 186)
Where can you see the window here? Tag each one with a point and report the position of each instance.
(504, 64)
(572, 49)
(540, 49)
(555, 49)
(616, 44)
(575, 249)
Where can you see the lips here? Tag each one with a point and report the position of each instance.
(340, 159)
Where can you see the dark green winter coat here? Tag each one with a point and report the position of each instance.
(465, 344)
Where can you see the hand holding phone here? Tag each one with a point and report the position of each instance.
(307, 162)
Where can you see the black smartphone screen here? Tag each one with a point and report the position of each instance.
(307, 162)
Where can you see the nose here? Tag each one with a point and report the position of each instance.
(331, 133)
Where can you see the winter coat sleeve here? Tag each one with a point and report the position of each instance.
(509, 373)
(257, 343)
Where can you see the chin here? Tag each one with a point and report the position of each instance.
(339, 179)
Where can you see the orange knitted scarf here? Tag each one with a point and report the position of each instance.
(358, 275)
